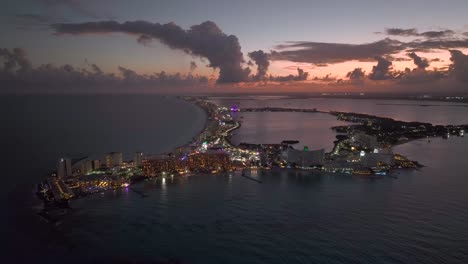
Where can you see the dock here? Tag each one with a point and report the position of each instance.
(249, 177)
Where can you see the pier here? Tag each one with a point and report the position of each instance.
(249, 177)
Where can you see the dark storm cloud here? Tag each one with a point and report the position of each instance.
(381, 71)
(401, 59)
(356, 74)
(193, 66)
(14, 61)
(459, 67)
(206, 40)
(412, 32)
(438, 34)
(422, 63)
(401, 32)
(96, 69)
(326, 78)
(301, 76)
(436, 44)
(261, 59)
(329, 53)
(418, 76)
(144, 40)
(128, 74)
(17, 72)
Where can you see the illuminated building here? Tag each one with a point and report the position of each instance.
(114, 159)
(371, 160)
(138, 159)
(200, 162)
(64, 168)
(185, 150)
(364, 140)
(86, 166)
(304, 158)
(96, 164)
(154, 167)
(108, 161)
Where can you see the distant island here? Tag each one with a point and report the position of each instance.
(363, 148)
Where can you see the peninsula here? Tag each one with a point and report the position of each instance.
(361, 148)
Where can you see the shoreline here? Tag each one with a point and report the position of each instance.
(205, 122)
(219, 124)
(282, 96)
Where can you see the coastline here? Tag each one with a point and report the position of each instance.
(206, 117)
(219, 124)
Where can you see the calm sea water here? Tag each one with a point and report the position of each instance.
(292, 217)
(310, 129)
(424, 111)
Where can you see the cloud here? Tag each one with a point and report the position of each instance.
(381, 71)
(206, 40)
(438, 34)
(329, 53)
(301, 76)
(96, 69)
(144, 40)
(14, 61)
(401, 59)
(433, 44)
(459, 67)
(357, 74)
(422, 63)
(261, 59)
(401, 32)
(326, 78)
(412, 32)
(193, 66)
(17, 73)
(418, 76)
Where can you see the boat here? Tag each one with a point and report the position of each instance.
(362, 172)
(379, 171)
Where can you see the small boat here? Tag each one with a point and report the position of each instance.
(379, 171)
(362, 172)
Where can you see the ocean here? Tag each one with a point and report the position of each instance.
(291, 217)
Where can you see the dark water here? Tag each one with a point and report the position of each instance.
(37, 130)
(434, 112)
(310, 129)
(291, 217)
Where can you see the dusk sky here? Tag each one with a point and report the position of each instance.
(329, 40)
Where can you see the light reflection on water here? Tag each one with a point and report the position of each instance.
(442, 113)
(329, 218)
(291, 217)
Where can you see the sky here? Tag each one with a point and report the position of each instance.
(210, 43)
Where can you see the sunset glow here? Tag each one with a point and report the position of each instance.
(150, 48)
